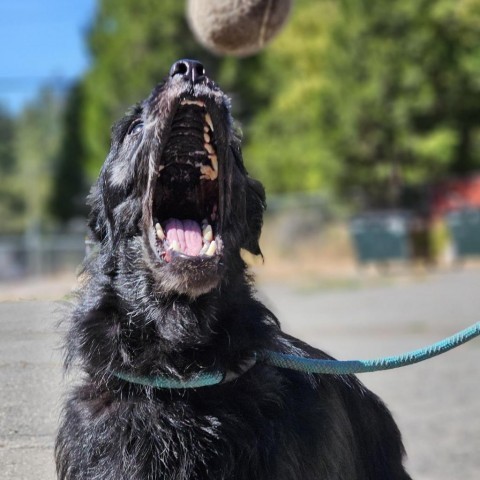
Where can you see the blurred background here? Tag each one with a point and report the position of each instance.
(362, 119)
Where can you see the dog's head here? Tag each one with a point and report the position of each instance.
(173, 196)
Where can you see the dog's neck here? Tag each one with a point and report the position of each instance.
(130, 327)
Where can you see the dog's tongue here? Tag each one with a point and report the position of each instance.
(187, 233)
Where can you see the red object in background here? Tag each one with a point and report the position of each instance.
(454, 194)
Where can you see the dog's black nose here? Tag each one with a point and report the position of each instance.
(190, 70)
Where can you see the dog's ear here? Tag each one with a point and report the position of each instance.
(254, 200)
(255, 206)
(106, 195)
(100, 220)
(97, 219)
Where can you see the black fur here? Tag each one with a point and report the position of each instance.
(140, 314)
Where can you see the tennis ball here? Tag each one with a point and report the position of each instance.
(237, 27)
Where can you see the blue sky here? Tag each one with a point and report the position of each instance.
(41, 41)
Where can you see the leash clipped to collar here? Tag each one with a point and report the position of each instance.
(309, 365)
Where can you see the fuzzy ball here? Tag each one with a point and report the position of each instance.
(237, 27)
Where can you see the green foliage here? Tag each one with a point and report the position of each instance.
(285, 146)
(402, 103)
(7, 129)
(37, 138)
(70, 185)
(11, 205)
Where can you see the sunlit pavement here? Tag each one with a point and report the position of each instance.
(435, 403)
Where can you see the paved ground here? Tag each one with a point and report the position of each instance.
(435, 403)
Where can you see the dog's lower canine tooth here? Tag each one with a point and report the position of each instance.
(159, 230)
(211, 249)
(176, 246)
(207, 233)
(208, 120)
(204, 249)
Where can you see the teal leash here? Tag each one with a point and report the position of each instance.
(310, 365)
(345, 367)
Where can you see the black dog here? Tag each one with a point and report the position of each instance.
(167, 295)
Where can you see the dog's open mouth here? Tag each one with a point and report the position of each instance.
(185, 204)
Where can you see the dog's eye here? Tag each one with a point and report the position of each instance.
(135, 127)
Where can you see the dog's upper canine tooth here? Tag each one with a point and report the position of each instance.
(212, 248)
(208, 120)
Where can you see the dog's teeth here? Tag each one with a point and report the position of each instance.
(209, 148)
(207, 233)
(193, 102)
(208, 120)
(176, 246)
(207, 173)
(214, 160)
(211, 249)
(206, 137)
(159, 231)
(206, 129)
(204, 249)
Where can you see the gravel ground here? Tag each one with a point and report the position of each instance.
(435, 403)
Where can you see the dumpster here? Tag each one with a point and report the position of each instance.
(464, 226)
(382, 236)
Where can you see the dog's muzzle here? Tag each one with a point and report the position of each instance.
(185, 220)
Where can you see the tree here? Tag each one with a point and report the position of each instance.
(11, 204)
(37, 139)
(70, 186)
(401, 103)
(285, 145)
